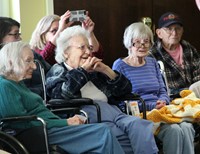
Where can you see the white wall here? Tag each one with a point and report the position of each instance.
(4, 8)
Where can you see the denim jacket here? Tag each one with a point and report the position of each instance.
(64, 83)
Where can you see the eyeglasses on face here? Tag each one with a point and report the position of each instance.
(170, 30)
(139, 44)
(16, 35)
(30, 61)
(84, 47)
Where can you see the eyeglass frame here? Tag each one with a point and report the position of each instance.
(83, 47)
(16, 35)
(169, 30)
(138, 44)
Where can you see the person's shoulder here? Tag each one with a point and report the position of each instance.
(118, 60)
(117, 63)
(152, 59)
(185, 43)
(56, 69)
(4, 83)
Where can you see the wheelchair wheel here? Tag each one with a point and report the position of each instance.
(11, 145)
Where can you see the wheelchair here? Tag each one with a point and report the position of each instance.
(58, 105)
(32, 140)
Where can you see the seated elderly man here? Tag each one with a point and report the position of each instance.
(180, 58)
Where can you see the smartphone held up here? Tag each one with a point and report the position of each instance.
(78, 15)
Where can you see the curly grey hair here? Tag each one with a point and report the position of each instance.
(64, 39)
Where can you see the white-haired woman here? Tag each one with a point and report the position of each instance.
(144, 74)
(17, 63)
(78, 74)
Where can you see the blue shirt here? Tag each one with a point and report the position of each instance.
(146, 81)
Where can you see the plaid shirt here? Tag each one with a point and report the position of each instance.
(179, 78)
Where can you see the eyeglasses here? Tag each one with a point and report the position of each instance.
(170, 30)
(84, 47)
(138, 44)
(29, 62)
(16, 35)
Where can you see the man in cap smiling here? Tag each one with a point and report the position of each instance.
(181, 60)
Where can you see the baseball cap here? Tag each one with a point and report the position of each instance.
(168, 19)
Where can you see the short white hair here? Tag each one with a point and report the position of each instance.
(137, 30)
(63, 40)
(11, 62)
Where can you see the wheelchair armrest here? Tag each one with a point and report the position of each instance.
(131, 96)
(71, 103)
(22, 135)
(19, 118)
(134, 96)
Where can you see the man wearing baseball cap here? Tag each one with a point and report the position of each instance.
(181, 60)
(182, 65)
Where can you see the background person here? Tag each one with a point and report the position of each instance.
(144, 74)
(43, 39)
(181, 60)
(17, 63)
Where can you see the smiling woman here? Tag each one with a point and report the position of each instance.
(17, 68)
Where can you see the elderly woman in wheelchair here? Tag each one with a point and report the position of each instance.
(17, 64)
(78, 74)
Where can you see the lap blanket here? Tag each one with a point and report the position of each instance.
(186, 108)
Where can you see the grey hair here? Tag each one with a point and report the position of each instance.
(37, 40)
(137, 30)
(11, 63)
(64, 39)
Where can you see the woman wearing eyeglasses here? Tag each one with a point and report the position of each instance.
(10, 32)
(144, 74)
(44, 37)
(78, 74)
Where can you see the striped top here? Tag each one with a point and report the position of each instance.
(146, 81)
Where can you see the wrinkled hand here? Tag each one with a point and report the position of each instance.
(75, 120)
(99, 67)
(160, 104)
(90, 64)
(63, 19)
(88, 24)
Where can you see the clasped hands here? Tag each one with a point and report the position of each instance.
(94, 64)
